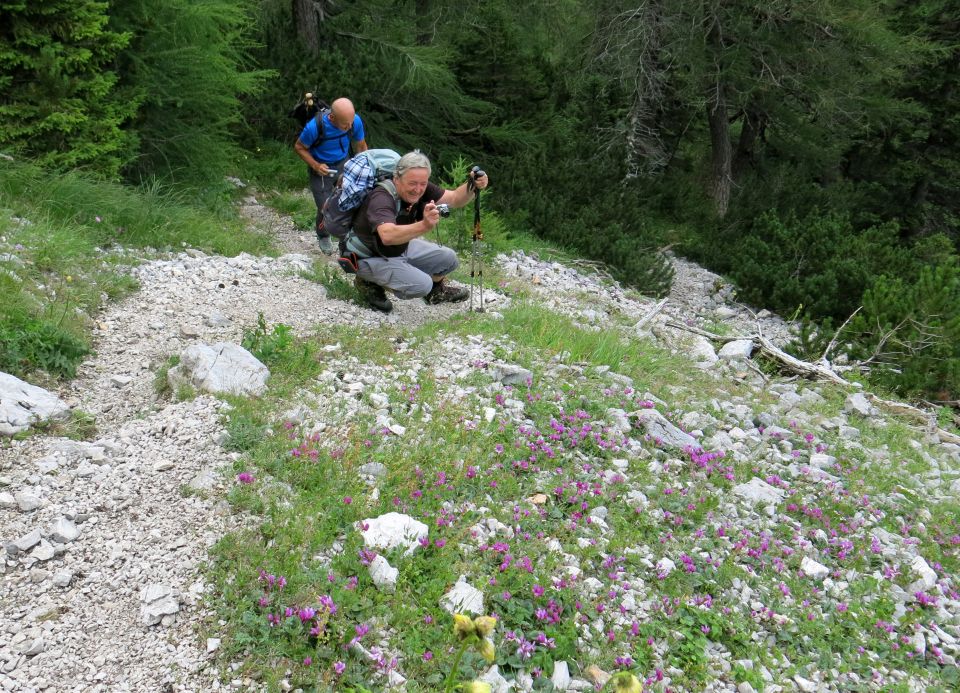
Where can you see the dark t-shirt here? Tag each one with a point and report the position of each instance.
(380, 208)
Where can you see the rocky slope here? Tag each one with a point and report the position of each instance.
(101, 589)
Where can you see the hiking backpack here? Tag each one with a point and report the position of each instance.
(360, 174)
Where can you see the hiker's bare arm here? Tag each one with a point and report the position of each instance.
(462, 195)
(396, 234)
(314, 165)
(359, 146)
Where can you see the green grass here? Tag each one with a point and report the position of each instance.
(104, 214)
(339, 285)
(273, 165)
(298, 205)
(64, 237)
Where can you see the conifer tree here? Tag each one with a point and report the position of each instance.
(188, 64)
(59, 100)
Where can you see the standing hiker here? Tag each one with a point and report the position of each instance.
(324, 144)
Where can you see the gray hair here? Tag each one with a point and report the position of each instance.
(414, 159)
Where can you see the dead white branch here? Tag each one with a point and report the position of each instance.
(704, 333)
(798, 366)
(650, 316)
(795, 365)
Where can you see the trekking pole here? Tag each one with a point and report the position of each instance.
(476, 257)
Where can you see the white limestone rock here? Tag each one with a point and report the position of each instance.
(758, 491)
(702, 352)
(383, 574)
(463, 598)
(659, 428)
(857, 403)
(222, 368)
(812, 569)
(737, 350)
(509, 374)
(157, 601)
(498, 684)
(561, 676)
(28, 541)
(23, 404)
(44, 551)
(391, 531)
(665, 566)
(64, 531)
(927, 577)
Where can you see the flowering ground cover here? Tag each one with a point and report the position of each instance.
(618, 510)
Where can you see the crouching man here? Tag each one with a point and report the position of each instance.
(387, 236)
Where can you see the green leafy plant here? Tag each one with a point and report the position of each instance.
(29, 343)
(338, 284)
(269, 346)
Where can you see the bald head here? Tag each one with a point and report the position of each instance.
(342, 113)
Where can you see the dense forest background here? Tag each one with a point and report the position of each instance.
(807, 149)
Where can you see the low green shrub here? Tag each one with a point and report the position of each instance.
(30, 343)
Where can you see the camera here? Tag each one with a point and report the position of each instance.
(444, 210)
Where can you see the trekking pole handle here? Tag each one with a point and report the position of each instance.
(475, 172)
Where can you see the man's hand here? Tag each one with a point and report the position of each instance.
(481, 182)
(431, 216)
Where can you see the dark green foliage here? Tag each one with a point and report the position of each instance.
(338, 284)
(30, 343)
(58, 97)
(187, 66)
(609, 127)
(911, 161)
(819, 264)
(912, 330)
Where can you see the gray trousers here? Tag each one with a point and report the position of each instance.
(322, 187)
(410, 275)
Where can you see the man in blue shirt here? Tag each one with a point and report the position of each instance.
(324, 144)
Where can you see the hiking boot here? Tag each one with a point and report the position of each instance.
(442, 292)
(374, 295)
(326, 244)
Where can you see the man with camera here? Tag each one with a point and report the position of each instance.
(324, 144)
(388, 230)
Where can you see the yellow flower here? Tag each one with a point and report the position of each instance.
(625, 682)
(486, 649)
(484, 625)
(476, 687)
(463, 626)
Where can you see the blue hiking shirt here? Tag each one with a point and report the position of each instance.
(336, 145)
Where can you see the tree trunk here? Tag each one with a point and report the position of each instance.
(721, 149)
(721, 178)
(749, 134)
(307, 17)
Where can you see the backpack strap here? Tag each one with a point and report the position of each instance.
(388, 185)
(322, 131)
(392, 189)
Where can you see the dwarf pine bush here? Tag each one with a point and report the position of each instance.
(914, 331)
